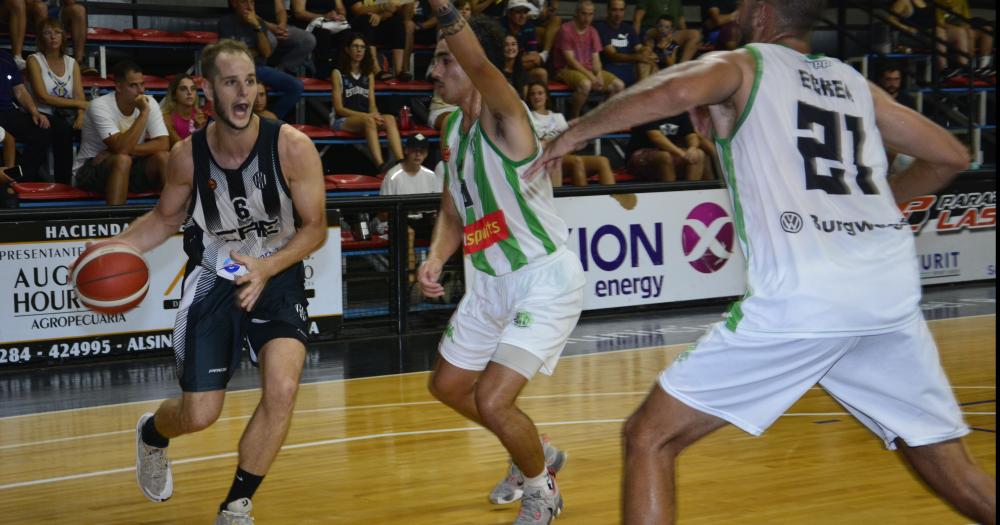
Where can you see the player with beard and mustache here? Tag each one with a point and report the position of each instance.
(249, 193)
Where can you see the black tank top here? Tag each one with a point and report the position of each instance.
(248, 210)
(922, 17)
(355, 92)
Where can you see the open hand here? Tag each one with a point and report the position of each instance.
(251, 284)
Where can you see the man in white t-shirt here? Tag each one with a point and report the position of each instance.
(124, 145)
(410, 176)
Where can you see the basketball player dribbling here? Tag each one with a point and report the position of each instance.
(833, 286)
(527, 290)
(248, 190)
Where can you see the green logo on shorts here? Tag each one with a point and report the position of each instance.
(685, 354)
(450, 332)
(522, 319)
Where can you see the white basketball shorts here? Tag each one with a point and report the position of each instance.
(892, 382)
(533, 308)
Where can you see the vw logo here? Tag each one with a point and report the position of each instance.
(791, 222)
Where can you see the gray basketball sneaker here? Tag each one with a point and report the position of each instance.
(236, 513)
(152, 468)
(511, 488)
(540, 506)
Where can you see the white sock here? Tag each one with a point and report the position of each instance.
(984, 61)
(539, 481)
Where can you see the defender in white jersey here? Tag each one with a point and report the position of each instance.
(249, 193)
(527, 291)
(833, 287)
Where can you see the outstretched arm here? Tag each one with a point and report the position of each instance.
(711, 80)
(503, 117)
(939, 156)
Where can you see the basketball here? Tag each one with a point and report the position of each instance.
(110, 277)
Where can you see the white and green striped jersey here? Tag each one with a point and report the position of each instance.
(508, 222)
(828, 251)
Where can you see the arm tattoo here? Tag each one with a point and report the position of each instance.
(449, 20)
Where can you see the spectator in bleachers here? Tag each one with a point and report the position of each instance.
(328, 35)
(648, 12)
(294, 44)
(181, 113)
(410, 176)
(354, 108)
(548, 24)
(56, 83)
(660, 41)
(919, 18)
(718, 24)
(519, 25)
(16, 15)
(981, 37)
(955, 31)
(513, 68)
(9, 152)
(73, 16)
(421, 29)
(124, 145)
(548, 124)
(244, 25)
(30, 126)
(260, 103)
(493, 8)
(657, 149)
(623, 53)
(892, 80)
(577, 59)
(382, 26)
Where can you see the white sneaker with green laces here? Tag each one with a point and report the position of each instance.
(237, 512)
(152, 468)
(511, 488)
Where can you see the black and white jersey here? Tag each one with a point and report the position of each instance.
(248, 210)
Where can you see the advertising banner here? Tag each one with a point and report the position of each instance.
(650, 248)
(956, 231)
(42, 320)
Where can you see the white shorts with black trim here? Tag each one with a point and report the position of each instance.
(534, 308)
(892, 383)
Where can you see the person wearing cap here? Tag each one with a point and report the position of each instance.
(410, 176)
(519, 24)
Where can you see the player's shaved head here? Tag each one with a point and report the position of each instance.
(797, 16)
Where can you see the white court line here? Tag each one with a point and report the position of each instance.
(307, 411)
(367, 437)
(663, 347)
(310, 444)
(389, 405)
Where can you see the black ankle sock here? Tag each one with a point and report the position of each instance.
(244, 485)
(151, 436)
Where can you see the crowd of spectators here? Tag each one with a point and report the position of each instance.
(356, 45)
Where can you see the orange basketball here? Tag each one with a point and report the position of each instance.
(110, 277)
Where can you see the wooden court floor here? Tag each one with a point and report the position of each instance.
(381, 451)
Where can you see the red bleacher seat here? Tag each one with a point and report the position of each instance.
(156, 36)
(148, 81)
(315, 84)
(200, 37)
(50, 191)
(558, 86)
(315, 132)
(94, 81)
(374, 243)
(396, 85)
(623, 176)
(349, 182)
(104, 34)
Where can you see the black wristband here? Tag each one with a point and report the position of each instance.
(448, 16)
